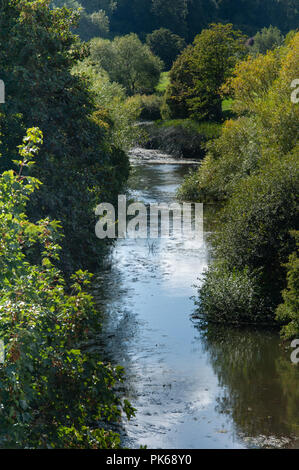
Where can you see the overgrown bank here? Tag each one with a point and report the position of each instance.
(253, 169)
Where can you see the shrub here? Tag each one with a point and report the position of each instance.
(232, 296)
(165, 45)
(266, 40)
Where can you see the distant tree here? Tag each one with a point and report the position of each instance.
(266, 40)
(200, 14)
(197, 75)
(165, 45)
(93, 22)
(129, 62)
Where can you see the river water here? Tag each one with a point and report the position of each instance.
(192, 386)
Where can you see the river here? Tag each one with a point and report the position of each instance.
(192, 386)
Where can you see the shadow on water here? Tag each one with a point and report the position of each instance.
(193, 386)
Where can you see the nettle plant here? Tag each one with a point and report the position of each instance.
(54, 393)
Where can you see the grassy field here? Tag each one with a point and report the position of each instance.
(163, 83)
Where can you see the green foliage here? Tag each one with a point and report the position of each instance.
(128, 62)
(166, 45)
(54, 392)
(118, 114)
(202, 69)
(266, 127)
(254, 232)
(187, 17)
(266, 40)
(181, 81)
(163, 83)
(258, 217)
(79, 164)
(288, 311)
(94, 16)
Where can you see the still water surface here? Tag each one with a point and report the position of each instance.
(193, 387)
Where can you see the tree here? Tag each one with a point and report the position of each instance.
(216, 51)
(171, 14)
(165, 45)
(93, 22)
(128, 62)
(288, 311)
(78, 164)
(178, 91)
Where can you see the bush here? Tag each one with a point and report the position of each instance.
(257, 219)
(266, 40)
(54, 392)
(254, 234)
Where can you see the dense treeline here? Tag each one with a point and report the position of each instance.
(183, 17)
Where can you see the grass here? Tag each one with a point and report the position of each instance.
(227, 105)
(163, 83)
